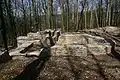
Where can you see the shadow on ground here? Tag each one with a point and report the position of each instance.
(100, 69)
(5, 57)
(32, 70)
(114, 53)
(76, 73)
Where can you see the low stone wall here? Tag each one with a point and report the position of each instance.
(37, 41)
(80, 45)
(69, 50)
(115, 31)
(68, 44)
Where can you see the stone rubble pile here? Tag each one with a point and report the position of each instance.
(80, 45)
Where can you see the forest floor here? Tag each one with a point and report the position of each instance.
(92, 67)
(102, 67)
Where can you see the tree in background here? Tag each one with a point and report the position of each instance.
(24, 16)
(6, 55)
(50, 14)
(3, 27)
(8, 6)
(24, 20)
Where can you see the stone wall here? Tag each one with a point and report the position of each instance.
(35, 42)
(80, 45)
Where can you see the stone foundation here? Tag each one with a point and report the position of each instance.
(80, 45)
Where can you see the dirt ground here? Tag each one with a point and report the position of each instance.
(92, 67)
(102, 67)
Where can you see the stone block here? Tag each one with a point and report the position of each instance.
(58, 50)
(70, 39)
(22, 38)
(94, 39)
(112, 30)
(34, 53)
(77, 50)
(21, 49)
(69, 50)
(34, 36)
(61, 40)
(20, 42)
(108, 48)
(98, 49)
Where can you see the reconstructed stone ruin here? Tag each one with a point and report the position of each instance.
(73, 44)
(26, 42)
(68, 44)
(37, 41)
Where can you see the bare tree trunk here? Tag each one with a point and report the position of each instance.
(108, 18)
(62, 15)
(101, 13)
(67, 15)
(12, 24)
(83, 6)
(25, 22)
(91, 17)
(35, 22)
(3, 27)
(30, 22)
(76, 15)
(44, 7)
(50, 14)
(40, 18)
(85, 14)
(109, 10)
